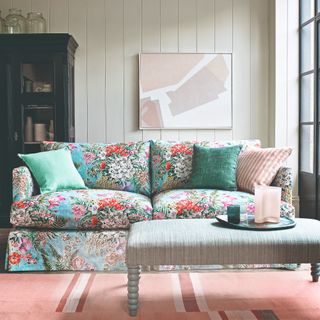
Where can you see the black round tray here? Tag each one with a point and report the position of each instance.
(249, 224)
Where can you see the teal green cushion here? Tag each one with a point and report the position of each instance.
(54, 170)
(214, 168)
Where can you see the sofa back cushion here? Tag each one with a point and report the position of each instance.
(171, 162)
(121, 166)
(259, 166)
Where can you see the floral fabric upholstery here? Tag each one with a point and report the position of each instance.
(284, 180)
(22, 183)
(86, 229)
(204, 203)
(34, 250)
(81, 209)
(171, 162)
(122, 166)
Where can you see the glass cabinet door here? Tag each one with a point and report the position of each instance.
(37, 104)
(37, 126)
(37, 77)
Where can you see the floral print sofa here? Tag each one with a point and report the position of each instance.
(127, 182)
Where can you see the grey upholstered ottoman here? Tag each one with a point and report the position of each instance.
(205, 242)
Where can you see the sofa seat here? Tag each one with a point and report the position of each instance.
(204, 203)
(89, 209)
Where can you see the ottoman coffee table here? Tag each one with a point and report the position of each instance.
(206, 242)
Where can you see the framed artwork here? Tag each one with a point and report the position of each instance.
(185, 91)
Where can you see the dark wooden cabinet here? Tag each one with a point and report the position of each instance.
(36, 99)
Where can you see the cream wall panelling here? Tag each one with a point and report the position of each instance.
(132, 45)
(150, 42)
(111, 33)
(169, 42)
(241, 71)
(284, 84)
(188, 43)
(223, 33)
(205, 43)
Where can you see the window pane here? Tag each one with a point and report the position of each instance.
(307, 98)
(318, 156)
(307, 145)
(307, 45)
(307, 9)
(318, 41)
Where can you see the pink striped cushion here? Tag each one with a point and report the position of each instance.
(257, 166)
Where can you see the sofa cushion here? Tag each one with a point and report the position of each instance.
(121, 166)
(171, 162)
(259, 166)
(81, 209)
(214, 168)
(46, 168)
(204, 203)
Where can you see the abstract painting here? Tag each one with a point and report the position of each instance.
(185, 91)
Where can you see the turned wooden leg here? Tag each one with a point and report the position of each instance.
(133, 289)
(315, 271)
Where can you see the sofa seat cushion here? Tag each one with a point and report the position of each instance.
(204, 203)
(82, 209)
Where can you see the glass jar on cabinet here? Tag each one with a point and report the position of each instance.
(15, 21)
(36, 23)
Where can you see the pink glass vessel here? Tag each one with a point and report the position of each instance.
(267, 204)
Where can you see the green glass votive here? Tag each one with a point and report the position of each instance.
(233, 213)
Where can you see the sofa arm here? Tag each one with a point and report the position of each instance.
(284, 180)
(22, 184)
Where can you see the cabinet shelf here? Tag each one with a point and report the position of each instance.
(35, 107)
(37, 98)
(32, 142)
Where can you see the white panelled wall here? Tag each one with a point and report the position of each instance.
(284, 81)
(111, 33)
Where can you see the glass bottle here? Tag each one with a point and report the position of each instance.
(36, 23)
(16, 23)
(3, 26)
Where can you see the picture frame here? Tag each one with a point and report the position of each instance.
(185, 91)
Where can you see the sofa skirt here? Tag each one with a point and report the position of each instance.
(50, 250)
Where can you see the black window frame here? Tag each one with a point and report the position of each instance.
(309, 182)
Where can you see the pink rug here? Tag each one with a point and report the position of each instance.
(218, 295)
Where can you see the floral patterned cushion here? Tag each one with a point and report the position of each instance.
(204, 203)
(121, 166)
(81, 209)
(171, 162)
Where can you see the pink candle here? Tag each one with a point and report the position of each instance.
(267, 203)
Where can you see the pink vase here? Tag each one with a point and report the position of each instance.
(267, 204)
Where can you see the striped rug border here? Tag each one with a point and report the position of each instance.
(66, 294)
(188, 296)
(187, 293)
(76, 293)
